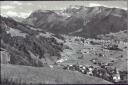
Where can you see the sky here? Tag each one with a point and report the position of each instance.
(25, 8)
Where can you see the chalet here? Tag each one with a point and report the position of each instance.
(5, 57)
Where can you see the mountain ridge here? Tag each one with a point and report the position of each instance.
(86, 18)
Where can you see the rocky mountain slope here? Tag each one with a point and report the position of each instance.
(27, 45)
(80, 20)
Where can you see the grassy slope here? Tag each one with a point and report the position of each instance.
(46, 75)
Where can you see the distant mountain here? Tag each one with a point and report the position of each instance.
(27, 45)
(80, 20)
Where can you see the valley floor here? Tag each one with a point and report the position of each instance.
(83, 53)
(94, 54)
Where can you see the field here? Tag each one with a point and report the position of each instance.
(26, 75)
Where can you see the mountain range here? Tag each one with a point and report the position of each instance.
(80, 20)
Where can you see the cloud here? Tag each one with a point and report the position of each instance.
(125, 8)
(11, 13)
(29, 4)
(7, 7)
(17, 3)
(24, 15)
(94, 4)
(16, 14)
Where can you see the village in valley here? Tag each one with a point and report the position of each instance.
(96, 57)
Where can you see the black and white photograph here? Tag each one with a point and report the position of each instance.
(64, 42)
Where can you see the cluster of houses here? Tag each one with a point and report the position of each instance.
(104, 72)
(87, 41)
